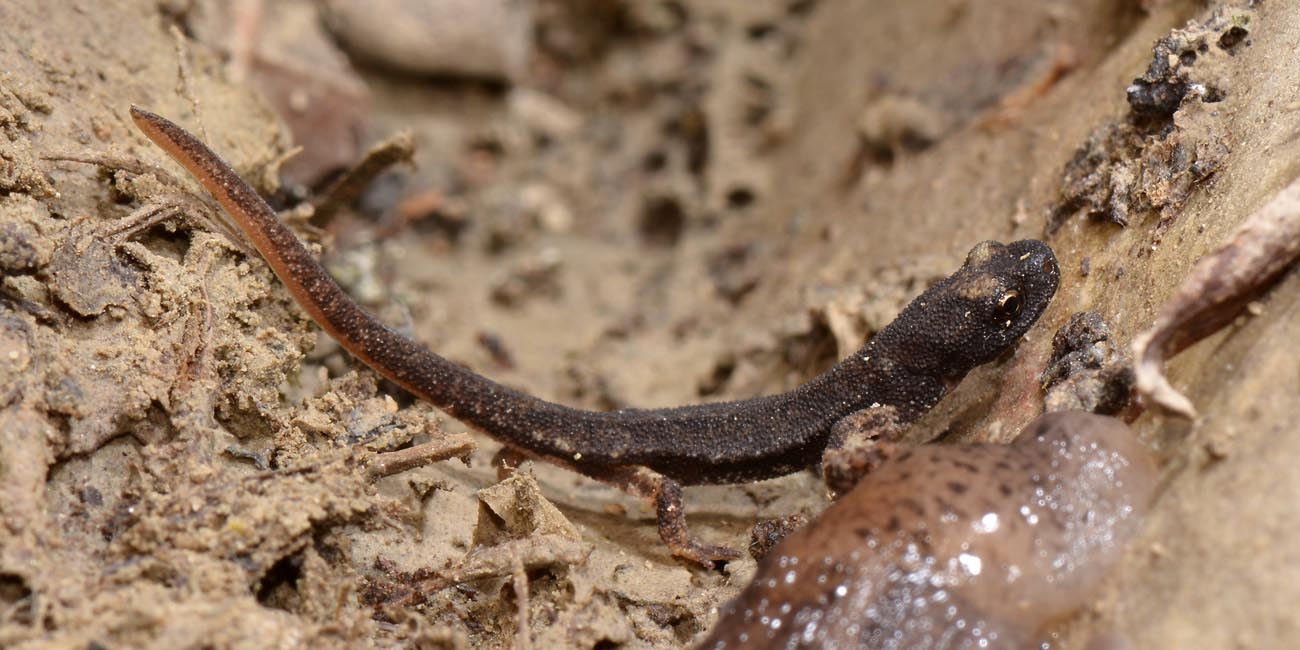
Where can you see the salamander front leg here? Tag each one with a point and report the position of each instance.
(858, 444)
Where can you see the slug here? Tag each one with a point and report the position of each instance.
(954, 546)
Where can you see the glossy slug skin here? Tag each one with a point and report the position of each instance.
(961, 546)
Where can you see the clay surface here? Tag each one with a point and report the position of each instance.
(665, 202)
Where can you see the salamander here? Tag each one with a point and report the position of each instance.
(965, 320)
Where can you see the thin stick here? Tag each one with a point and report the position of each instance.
(523, 639)
(393, 462)
(185, 85)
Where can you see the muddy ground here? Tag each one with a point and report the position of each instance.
(616, 204)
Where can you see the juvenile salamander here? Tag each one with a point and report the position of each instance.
(950, 547)
(963, 321)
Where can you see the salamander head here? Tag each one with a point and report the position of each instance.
(974, 315)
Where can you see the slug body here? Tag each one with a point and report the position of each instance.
(954, 546)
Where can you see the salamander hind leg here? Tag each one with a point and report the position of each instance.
(507, 460)
(673, 531)
(667, 496)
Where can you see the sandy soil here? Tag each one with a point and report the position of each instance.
(661, 203)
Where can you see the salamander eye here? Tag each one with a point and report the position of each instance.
(1009, 305)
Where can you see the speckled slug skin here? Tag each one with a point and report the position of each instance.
(970, 546)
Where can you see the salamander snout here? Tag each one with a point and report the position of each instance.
(1036, 271)
(1037, 263)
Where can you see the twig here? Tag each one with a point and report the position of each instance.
(523, 639)
(393, 462)
(347, 188)
(1215, 292)
(185, 85)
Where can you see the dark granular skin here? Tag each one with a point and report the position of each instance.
(967, 319)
